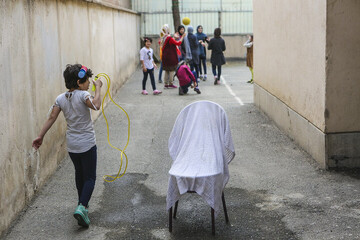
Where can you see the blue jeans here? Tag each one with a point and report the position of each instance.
(196, 77)
(160, 72)
(151, 73)
(85, 174)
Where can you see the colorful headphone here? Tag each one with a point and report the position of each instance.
(82, 72)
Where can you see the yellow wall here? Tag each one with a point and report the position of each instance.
(289, 54)
(37, 40)
(343, 66)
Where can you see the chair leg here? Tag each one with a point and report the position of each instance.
(213, 221)
(170, 219)
(224, 205)
(175, 210)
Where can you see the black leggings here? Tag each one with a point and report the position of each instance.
(214, 71)
(202, 62)
(85, 174)
(151, 73)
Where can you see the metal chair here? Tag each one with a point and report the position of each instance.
(171, 216)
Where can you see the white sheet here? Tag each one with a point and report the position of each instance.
(201, 148)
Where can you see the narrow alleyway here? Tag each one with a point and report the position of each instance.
(275, 190)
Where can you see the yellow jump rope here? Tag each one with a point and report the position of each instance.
(108, 178)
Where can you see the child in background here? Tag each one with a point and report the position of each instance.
(249, 56)
(80, 135)
(148, 64)
(217, 45)
(177, 37)
(186, 77)
(202, 38)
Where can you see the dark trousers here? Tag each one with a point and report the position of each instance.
(194, 67)
(160, 72)
(203, 63)
(151, 73)
(214, 70)
(185, 88)
(85, 174)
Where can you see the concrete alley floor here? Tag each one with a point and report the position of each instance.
(275, 190)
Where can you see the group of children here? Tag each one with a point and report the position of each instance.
(182, 56)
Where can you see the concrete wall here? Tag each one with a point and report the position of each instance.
(342, 113)
(306, 70)
(37, 40)
(343, 66)
(118, 4)
(289, 53)
(234, 47)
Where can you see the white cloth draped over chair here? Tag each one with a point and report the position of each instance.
(201, 148)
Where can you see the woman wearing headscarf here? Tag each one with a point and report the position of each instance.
(194, 48)
(169, 55)
(202, 38)
(217, 45)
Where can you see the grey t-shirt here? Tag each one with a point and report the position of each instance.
(80, 134)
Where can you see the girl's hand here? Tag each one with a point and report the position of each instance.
(182, 37)
(144, 69)
(155, 66)
(37, 142)
(98, 83)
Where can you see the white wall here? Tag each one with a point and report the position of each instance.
(289, 54)
(307, 74)
(37, 39)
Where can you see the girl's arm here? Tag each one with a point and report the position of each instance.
(210, 45)
(223, 45)
(248, 44)
(95, 104)
(207, 39)
(143, 65)
(177, 43)
(47, 125)
(189, 73)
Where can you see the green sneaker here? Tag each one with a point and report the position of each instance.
(81, 215)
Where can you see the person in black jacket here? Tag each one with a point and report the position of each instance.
(217, 45)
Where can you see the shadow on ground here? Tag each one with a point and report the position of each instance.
(131, 211)
(354, 173)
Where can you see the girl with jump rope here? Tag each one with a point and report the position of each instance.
(80, 135)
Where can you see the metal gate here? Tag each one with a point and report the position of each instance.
(233, 16)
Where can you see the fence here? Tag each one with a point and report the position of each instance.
(231, 22)
(233, 16)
